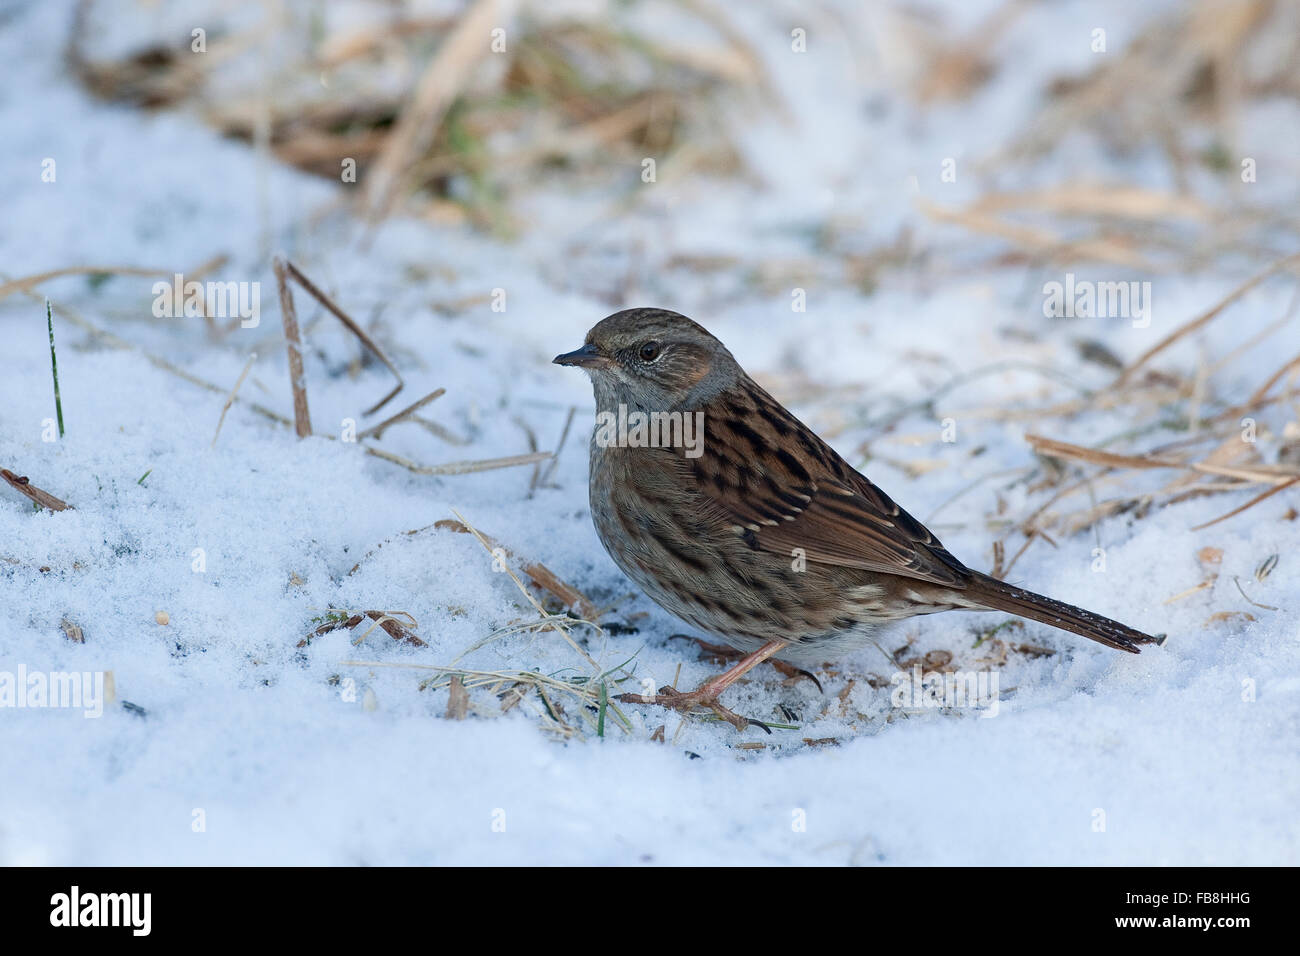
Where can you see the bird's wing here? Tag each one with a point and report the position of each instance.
(783, 488)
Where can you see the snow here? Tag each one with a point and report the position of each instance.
(1187, 752)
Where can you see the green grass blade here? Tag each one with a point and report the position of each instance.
(54, 365)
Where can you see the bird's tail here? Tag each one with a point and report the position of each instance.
(985, 591)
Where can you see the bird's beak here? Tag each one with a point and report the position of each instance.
(586, 357)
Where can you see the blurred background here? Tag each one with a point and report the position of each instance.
(1153, 137)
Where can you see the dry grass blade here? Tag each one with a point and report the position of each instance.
(1249, 504)
(1195, 589)
(1059, 449)
(377, 431)
(27, 283)
(297, 377)
(1079, 199)
(747, 58)
(1188, 328)
(230, 399)
(1248, 598)
(20, 484)
(397, 629)
(337, 622)
(1265, 474)
(460, 467)
(352, 327)
(396, 624)
(457, 699)
(1257, 397)
(545, 478)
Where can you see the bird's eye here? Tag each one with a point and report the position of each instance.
(649, 351)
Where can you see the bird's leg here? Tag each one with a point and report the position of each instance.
(706, 695)
(723, 652)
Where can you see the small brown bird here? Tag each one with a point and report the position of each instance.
(731, 514)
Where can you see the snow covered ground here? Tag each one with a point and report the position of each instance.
(242, 747)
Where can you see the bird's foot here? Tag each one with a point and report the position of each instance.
(703, 698)
(707, 694)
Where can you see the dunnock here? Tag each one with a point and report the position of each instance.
(731, 514)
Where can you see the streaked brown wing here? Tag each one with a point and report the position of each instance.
(786, 488)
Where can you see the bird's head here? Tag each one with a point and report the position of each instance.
(653, 359)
